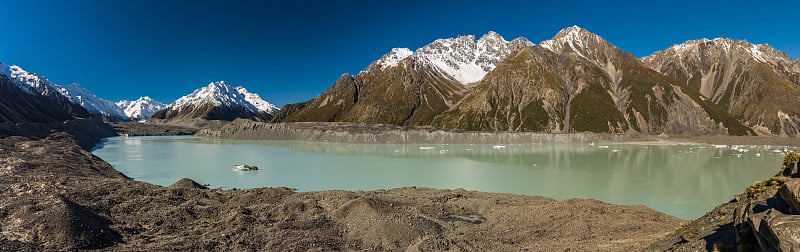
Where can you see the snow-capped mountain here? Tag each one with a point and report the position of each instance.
(36, 85)
(408, 88)
(19, 106)
(218, 101)
(256, 101)
(95, 105)
(463, 58)
(755, 82)
(29, 82)
(574, 82)
(140, 109)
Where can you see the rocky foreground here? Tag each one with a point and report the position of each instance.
(764, 217)
(57, 196)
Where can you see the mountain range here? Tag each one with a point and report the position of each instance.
(755, 83)
(576, 81)
(29, 97)
(34, 84)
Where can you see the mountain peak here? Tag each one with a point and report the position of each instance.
(728, 47)
(221, 93)
(29, 82)
(574, 39)
(570, 30)
(218, 101)
(255, 99)
(141, 108)
(465, 59)
(394, 57)
(492, 37)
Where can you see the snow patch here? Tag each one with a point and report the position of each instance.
(756, 53)
(394, 57)
(466, 59)
(29, 82)
(255, 99)
(570, 36)
(95, 105)
(463, 72)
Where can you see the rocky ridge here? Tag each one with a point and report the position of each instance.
(405, 87)
(34, 98)
(575, 82)
(96, 106)
(756, 83)
(68, 96)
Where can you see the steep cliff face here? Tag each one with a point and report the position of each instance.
(411, 93)
(757, 84)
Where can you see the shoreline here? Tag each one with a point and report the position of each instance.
(390, 134)
(84, 203)
(91, 205)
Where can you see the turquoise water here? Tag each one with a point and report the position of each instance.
(682, 180)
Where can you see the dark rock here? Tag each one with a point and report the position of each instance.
(791, 170)
(187, 183)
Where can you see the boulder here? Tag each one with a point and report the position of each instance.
(776, 231)
(790, 192)
(188, 184)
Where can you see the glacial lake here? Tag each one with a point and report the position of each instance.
(681, 180)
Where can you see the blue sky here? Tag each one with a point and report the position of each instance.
(290, 51)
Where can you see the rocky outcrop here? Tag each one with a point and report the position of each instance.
(763, 218)
(58, 197)
(775, 231)
(790, 192)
